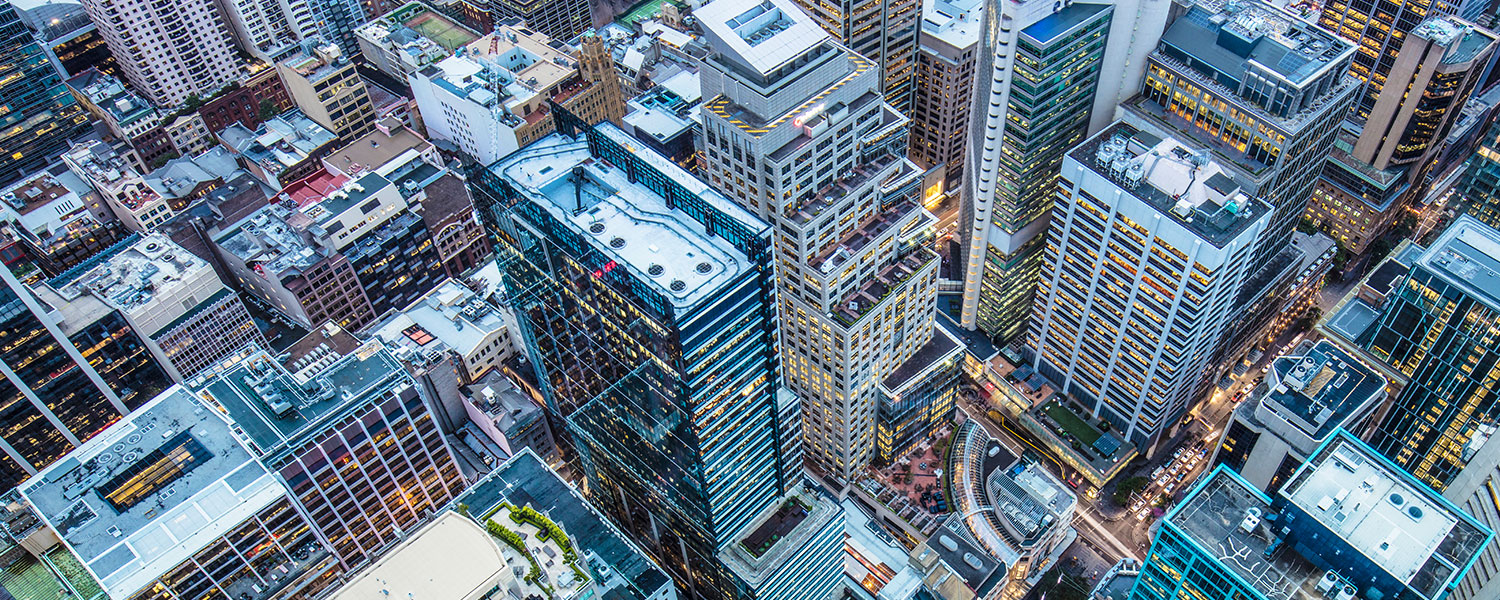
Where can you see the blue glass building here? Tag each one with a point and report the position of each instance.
(646, 301)
(37, 113)
(1349, 524)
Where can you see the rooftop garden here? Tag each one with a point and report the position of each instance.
(526, 523)
(778, 526)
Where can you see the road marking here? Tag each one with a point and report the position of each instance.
(1108, 537)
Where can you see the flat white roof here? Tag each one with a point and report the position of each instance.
(1380, 514)
(762, 35)
(451, 558)
(955, 22)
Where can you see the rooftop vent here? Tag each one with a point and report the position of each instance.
(617, 243)
(596, 228)
(705, 268)
(678, 285)
(655, 270)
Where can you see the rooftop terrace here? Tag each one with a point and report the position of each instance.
(763, 36)
(1234, 37)
(1186, 186)
(150, 491)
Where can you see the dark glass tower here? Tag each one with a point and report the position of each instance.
(39, 116)
(1438, 329)
(61, 384)
(647, 304)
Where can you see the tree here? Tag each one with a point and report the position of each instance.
(267, 109)
(1125, 489)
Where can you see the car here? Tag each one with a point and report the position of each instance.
(1168, 490)
(1145, 512)
(1181, 476)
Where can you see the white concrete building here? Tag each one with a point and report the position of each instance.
(266, 28)
(1150, 245)
(796, 131)
(168, 50)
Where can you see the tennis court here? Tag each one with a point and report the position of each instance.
(445, 33)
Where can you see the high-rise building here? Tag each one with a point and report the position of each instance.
(349, 434)
(267, 29)
(1308, 393)
(58, 219)
(1478, 189)
(168, 503)
(1151, 242)
(1349, 524)
(1431, 328)
(1017, 138)
(168, 51)
(174, 300)
(337, 20)
(645, 301)
(1208, 83)
(324, 85)
(796, 131)
(1372, 177)
(41, 116)
(941, 99)
(556, 19)
(883, 31)
(66, 379)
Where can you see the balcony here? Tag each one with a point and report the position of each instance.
(854, 307)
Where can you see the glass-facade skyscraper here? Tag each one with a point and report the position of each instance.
(646, 301)
(39, 115)
(1437, 329)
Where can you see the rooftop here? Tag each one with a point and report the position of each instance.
(275, 408)
(1050, 28)
(264, 241)
(147, 493)
(390, 139)
(450, 315)
(135, 276)
(280, 142)
(1029, 500)
(1318, 390)
(1214, 515)
(42, 188)
(316, 61)
(1464, 41)
(451, 557)
(963, 554)
(111, 96)
(938, 349)
(763, 36)
(1467, 256)
(524, 480)
(954, 22)
(1233, 37)
(508, 68)
(668, 109)
(629, 222)
(1408, 530)
(181, 176)
(1185, 185)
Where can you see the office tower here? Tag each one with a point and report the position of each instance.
(645, 302)
(1348, 524)
(1276, 139)
(1431, 329)
(58, 220)
(168, 51)
(1372, 177)
(556, 19)
(918, 397)
(942, 96)
(54, 395)
(796, 131)
(324, 86)
(348, 433)
(664, 118)
(883, 31)
(168, 503)
(1151, 242)
(494, 98)
(1478, 189)
(410, 38)
(267, 29)
(1471, 492)
(618, 567)
(337, 20)
(40, 116)
(174, 300)
(1379, 32)
(1308, 393)
(1016, 144)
